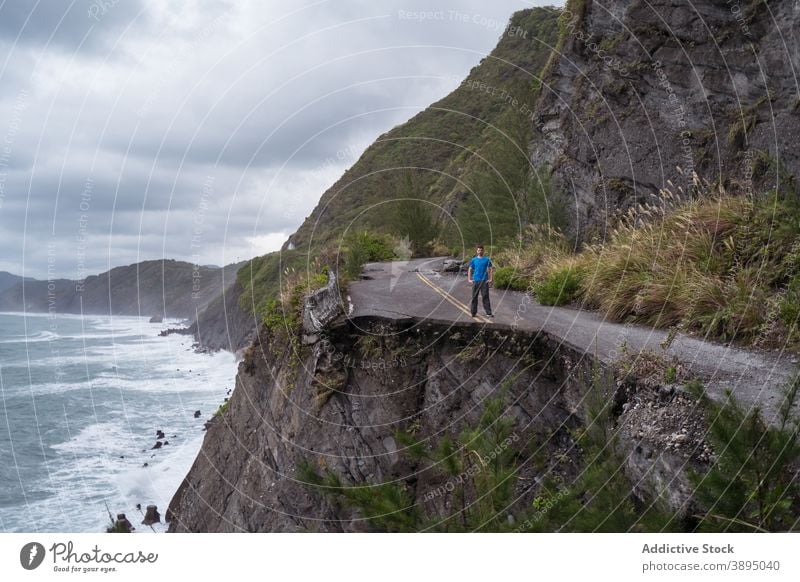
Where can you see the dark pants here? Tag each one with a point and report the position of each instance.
(481, 287)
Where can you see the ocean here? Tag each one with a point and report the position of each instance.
(81, 399)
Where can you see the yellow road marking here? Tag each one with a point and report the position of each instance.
(458, 304)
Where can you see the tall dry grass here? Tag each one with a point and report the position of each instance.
(721, 265)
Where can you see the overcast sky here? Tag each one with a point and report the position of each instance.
(204, 130)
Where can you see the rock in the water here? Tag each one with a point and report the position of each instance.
(174, 330)
(122, 525)
(158, 445)
(157, 319)
(151, 516)
(197, 414)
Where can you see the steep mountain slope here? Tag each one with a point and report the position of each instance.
(440, 140)
(225, 324)
(484, 123)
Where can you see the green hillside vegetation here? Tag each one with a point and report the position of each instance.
(438, 144)
(752, 486)
(720, 265)
(275, 285)
(502, 192)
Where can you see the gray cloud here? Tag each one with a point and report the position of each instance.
(69, 25)
(116, 127)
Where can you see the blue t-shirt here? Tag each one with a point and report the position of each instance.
(480, 267)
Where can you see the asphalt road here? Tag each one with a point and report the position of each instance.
(419, 289)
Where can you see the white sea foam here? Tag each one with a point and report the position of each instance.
(42, 336)
(99, 432)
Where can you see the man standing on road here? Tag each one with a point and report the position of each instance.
(480, 276)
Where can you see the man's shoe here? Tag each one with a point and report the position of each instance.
(490, 315)
(474, 315)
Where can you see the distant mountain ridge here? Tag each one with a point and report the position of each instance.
(166, 288)
(9, 280)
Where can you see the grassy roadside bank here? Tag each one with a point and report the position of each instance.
(723, 266)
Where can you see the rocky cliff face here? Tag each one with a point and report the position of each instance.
(224, 324)
(642, 88)
(339, 401)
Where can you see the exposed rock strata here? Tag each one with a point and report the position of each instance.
(643, 87)
(342, 413)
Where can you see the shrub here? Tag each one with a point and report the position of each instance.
(561, 286)
(508, 278)
(223, 408)
(540, 245)
(272, 315)
(318, 281)
(413, 216)
(441, 250)
(364, 247)
(790, 306)
(261, 279)
(284, 313)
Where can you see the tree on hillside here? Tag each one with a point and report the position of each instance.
(478, 472)
(504, 191)
(752, 485)
(497, 205)
(414, 218)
